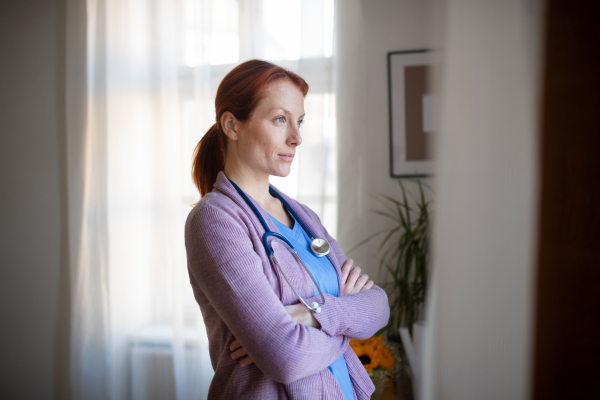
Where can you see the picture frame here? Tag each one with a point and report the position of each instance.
(410, 113)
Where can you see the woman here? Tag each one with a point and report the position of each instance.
(264, 343)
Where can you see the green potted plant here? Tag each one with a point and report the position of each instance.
(404, 253)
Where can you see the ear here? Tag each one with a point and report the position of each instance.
(230, 125)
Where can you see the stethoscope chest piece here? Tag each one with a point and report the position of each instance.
(320, 247)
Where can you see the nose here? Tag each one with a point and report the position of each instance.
(294, 136)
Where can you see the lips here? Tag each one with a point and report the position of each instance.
(287, 157)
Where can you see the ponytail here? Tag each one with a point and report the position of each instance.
(208, 159)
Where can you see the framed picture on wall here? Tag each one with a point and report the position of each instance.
(410, 113)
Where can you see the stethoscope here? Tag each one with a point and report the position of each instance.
(320, 247)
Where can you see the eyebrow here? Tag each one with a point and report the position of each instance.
(284, 110)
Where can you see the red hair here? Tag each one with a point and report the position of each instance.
(238, 93)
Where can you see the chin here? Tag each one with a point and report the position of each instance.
(280, 173)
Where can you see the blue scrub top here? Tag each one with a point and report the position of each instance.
(325, 275)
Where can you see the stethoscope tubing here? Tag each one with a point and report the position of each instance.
(313, 306)
(287, 206)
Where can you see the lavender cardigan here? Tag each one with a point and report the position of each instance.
(241, 295)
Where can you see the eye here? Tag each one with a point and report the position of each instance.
(280, 119)
(300, 122)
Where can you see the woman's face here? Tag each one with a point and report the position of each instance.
(267, 141)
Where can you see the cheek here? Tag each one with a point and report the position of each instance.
(254, 150)
(264, 141)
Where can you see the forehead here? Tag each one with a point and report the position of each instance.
(281, 94)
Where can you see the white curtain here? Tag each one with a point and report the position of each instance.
(152, 70)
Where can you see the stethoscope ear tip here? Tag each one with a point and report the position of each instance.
(315, 307)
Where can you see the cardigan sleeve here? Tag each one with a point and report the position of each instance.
(358, 315)
(223, 264)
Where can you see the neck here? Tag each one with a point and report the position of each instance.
(254, 184)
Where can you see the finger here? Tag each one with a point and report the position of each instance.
(346, 270)
(360, 282)
(368, 286)
(235, 345)
(239, 353)
(246, 361)
(352, 280)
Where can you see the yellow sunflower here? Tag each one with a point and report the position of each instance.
(385, 357)
(373, 353)
(367, 356)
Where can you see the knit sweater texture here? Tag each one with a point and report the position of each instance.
(242, 295)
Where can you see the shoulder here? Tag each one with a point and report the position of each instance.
(215, 211)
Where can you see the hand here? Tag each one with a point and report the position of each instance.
(237, 351)
(353, 281)
(302, 315)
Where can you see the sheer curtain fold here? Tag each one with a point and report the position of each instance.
(87, 199)
(146, 98)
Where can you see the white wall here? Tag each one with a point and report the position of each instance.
(30, 203)
(366, 31)
(486, 191)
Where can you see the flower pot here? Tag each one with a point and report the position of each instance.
(379, 382)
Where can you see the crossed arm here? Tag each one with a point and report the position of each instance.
(353, 283)
(229, 272)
